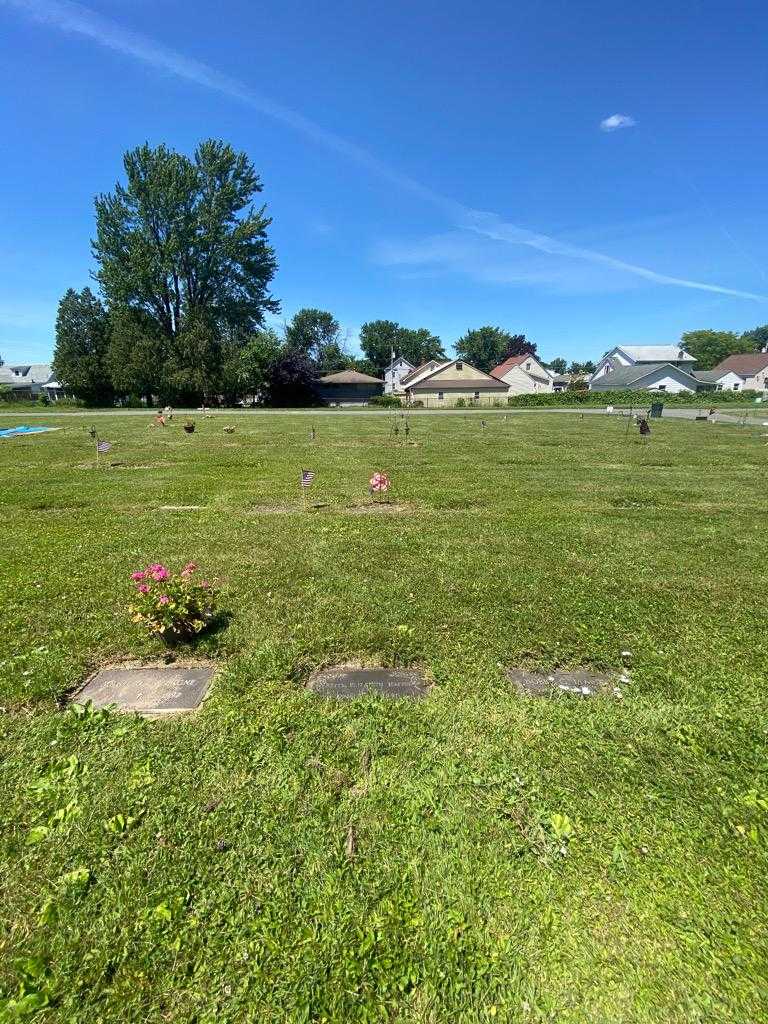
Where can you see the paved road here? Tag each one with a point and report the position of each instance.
(756, 416)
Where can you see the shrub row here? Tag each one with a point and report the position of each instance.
(636, 399)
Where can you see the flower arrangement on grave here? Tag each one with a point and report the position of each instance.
(175, 606)
(378, 484)
(229, 430)
(189, 426)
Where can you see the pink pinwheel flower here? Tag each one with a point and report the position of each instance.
(159, 573)
(138, 575)
(379, 482)
(204, 584)
(163, 599)
(188, 569)
(143, 588)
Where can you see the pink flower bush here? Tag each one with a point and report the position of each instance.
(174, 606)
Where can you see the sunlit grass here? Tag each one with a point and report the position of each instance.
(217, 882)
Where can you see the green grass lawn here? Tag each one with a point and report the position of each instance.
(199, 869)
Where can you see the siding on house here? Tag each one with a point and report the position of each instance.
(659, 377)
(444, 386)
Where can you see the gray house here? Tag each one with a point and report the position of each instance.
(348, 387)
(29, 380)
(663, 377)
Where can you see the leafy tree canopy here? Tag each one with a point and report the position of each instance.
(380, 338)
(557, 365)
(486, 347)
(181, 241)
(82, 340)
(757, 338)
(709, 348)
(317, 333)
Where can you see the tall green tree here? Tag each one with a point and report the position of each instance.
(557, 365)
(757, 338)
(380, 338)
(317, 333)
(709, 348)
(136, 354)
(247, 367)
(182, 243)
(312, 330)
(486, 347)
(82, 341)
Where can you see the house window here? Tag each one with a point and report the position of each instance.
(440, 395)
(736, 387)
(662, 387)
(528, 365)
(459, 365)
(477, 395)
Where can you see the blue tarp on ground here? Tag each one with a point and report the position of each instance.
(15, 431)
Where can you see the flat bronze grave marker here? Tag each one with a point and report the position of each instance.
(578, 682)
(347, 682)
(150, 692)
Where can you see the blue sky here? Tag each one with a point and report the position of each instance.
(585, 174)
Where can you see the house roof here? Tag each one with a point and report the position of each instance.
(656, 353)
(24, 374)
(399, 359)
(506, 366)
(484, 383)
(350, 377)
(707, 376)
(745, 365)
(626, 375)
(427, 367)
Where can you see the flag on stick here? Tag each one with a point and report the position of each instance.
(307, 476)
(101, 448)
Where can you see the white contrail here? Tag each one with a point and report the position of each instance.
(80, 20)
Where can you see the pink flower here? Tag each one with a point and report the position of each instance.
(188, 569)
(138, 575)
(163, 599)
(379, 482)
(204, 584)
(159, 573)
(143, 588)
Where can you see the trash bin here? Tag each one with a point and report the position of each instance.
(656, 410)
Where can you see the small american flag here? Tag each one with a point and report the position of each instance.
(103, 446)
(307, 476)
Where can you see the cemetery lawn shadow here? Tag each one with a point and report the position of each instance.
(472, 856)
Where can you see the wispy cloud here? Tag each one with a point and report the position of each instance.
(616, 121)
(79, 20)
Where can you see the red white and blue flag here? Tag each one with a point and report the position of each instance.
(103, 446)
(307, 476)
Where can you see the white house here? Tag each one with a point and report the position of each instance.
(663, 377)
(636, 355)
(29, 380)
(524, 375)
(420, 372)
(394, 373)
(746, 372)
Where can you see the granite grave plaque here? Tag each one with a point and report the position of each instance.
(348, 682)
(579, 682)
(148, 691)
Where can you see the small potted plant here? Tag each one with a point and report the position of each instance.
(189, 426)
(173, 606)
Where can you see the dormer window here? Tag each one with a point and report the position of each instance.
(459, 365)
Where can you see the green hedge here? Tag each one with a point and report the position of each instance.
(636, 399)
(387, 401)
